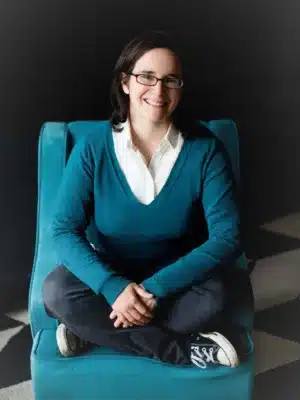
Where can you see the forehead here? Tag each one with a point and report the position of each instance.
(159, 61)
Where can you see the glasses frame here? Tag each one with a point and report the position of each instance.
(156, 80)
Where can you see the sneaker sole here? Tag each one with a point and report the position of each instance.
(227, 347)
(62, 341)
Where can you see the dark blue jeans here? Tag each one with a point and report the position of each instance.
(167, 338)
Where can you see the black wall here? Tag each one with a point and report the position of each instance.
(241, 58)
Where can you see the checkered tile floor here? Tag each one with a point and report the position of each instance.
(276, 284)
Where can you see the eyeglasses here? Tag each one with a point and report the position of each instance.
(151, 80)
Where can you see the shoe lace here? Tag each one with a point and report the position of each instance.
(201, 356)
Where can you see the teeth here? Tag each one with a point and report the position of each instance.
(154, 103)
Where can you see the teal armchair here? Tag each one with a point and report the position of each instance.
(102, 373)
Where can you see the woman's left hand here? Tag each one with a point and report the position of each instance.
(150, 303)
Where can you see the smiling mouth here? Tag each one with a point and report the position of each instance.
(155, 103)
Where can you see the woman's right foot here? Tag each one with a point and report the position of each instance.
(68, 343)
(213, 348)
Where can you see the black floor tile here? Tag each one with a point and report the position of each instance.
(281, 320)
(14, 359)
(7, 323)
(282, 383)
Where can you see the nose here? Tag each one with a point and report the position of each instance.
(159, 87)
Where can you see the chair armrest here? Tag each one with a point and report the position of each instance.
(52, 155)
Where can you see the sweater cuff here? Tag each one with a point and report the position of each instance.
(113, 287)
(152, 286)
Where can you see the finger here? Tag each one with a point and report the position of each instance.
(151, 304)
(113, 314)
(142, 292)
(120, 318)
(124, 322)
(127, 324)
(143, 310)
(118, 323)
(138, 316)
(133, 320)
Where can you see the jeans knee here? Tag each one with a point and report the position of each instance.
(217, 301)
(211, 302)
(54, 289)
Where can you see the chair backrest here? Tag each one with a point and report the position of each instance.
(55, 142)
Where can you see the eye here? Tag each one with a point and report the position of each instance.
(171, 80)
(147, 77)
(173, 83)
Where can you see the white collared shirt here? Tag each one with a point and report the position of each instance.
(147, 181)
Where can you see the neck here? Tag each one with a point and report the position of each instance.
(148, 131)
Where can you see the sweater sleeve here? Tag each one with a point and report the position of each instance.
(72, 211)
(222, 217)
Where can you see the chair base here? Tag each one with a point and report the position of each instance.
(106, 375)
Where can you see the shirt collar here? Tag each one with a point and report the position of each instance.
(168, 141)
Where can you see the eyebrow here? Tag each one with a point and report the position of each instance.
(152, 72)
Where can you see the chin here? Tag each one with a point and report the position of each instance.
(157, 118)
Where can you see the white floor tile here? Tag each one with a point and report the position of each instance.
(276, 279)
(288, 225)
(21, 391)
(20, 315)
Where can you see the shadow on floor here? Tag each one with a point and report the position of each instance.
(15, 359)
(279, 383)
(14, 297)
(268, 244)
(7, 323)
(281, 320)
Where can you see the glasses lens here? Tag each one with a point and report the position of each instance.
(173, 83)
(146, 79)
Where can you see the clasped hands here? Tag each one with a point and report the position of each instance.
(133, 306)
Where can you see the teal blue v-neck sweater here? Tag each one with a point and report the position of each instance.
(189, 229)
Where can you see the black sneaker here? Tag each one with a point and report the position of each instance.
(68, 343)
(213, 348)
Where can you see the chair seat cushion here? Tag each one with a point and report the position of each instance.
(105, 374)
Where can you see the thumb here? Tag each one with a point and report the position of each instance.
(142, 292)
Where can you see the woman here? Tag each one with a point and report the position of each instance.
(166, 219)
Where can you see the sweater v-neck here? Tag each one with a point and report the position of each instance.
(179, 163)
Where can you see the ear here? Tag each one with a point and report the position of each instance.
(124, 82)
